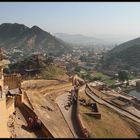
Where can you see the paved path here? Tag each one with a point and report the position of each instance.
(99, 100)
(69, 114)
(3, 120)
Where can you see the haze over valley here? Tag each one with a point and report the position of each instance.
(69, 70)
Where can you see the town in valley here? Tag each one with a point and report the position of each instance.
(68, 85)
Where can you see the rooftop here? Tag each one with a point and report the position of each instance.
(4, 62)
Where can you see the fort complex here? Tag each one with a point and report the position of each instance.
(69, 102)
(17, 106)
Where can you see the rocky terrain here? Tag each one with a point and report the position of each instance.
(124, 56)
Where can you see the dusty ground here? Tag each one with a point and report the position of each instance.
(18, 127)
(38, 83)
(111, 125)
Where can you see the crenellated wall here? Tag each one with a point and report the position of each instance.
(83, 129)
(32, 114)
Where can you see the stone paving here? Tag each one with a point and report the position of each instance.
(69, 113)
(3, 117)
(17, 126)
(62, 101)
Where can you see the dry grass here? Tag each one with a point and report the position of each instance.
(39, 83)
(47, 88)
(44, 86)
(111, 124)
(134, 125)
(54, 88)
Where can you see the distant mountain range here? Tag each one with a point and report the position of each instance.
(124, 56)
(79, 39)
(19, 41)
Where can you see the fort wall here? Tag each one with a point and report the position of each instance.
(10, 105)
(79, 120)
(33, 114)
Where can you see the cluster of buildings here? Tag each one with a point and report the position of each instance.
(72, 60)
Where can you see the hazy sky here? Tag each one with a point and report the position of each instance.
(87, 18)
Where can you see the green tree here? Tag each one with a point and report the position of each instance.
(123, 75)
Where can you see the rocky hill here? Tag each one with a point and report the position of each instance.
(125, 56)
(20, 41)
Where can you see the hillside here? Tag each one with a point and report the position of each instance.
(35, 66)
(19, 41)
(125, 56)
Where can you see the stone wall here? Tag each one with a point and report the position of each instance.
(96, 114)
(18, 100)
(26, 97)
(10, 105)
(12, 81)
(83, 129)
(30, 112)
(33, 114)
(136, 105)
